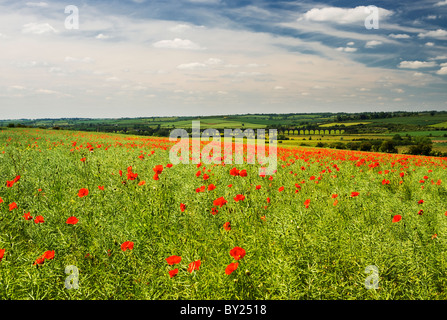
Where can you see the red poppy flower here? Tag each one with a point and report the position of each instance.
(173, 273)
(2, 253)
(335, 202)
(127, 245)
(83, 159)
(268, 200)
(101, 187)
(334, 196)
(239, 197)
(258, 187)
(48, 255)
(39, 219)
(1, 200)
(307, 203)
(155, 177)
(198, 173)
(9, 184)
(120, 173)
(421, 201)
(227, 226)
(234, 172)
(206, 177)
(243, 173)
(397, 218)
(219, 202)
(12, 206)
(211, 187)
(231, 267)
(82, 192)
(158, 169)
(237, 253)
(354, 194)
(39, 261)
(420, 212)
(72, 220)
(263, 218)
(230, 185)
(28, 216)
(142, 183)
(173, 260)
(182, 207)
(195, 265)
(281, 189)
(169, 165)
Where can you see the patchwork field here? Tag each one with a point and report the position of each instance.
(108, 216)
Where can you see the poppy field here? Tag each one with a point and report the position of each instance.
(135, 226)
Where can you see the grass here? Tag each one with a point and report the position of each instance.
(319, 252)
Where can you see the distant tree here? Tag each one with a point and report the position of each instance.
(388, 147)
(422, 146)
(365, 146)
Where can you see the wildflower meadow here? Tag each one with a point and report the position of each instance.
(108, 216)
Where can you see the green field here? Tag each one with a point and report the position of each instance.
(309, 231)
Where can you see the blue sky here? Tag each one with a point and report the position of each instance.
(137, 58)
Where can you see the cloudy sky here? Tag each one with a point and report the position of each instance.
(136, 58)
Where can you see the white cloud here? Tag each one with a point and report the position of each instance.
(429, 44)
(443, 57)
(102, 36)
(351, 43)
(342, 15)
(38, 28)
(192, 66)
(372, 43)
(441, 3)
(399, 36)
(177, 44)
(347, 49)
(439, 34)
(179, 28)
(442, 71)
(200, 65)
(37, 4)
(72, 59)
(416, 64)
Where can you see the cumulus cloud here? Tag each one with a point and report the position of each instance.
(102, 36)
(416, 64)
(346, 49)
(192, 66)
(399, 36)
(439, 34)
(177, 43)
(38, 28)
(441, 3)
(372, 43)
(211, 62)
(342, 15)
(37, 4)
